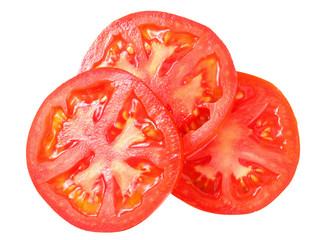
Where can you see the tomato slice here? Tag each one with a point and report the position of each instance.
(103, 151)
(183, 62)
(251, 160)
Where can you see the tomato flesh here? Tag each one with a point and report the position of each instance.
(107, 151)
(183, 62)
(69, 185)
(251, 160)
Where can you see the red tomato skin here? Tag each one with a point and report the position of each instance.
(152, 199)
(225, 205)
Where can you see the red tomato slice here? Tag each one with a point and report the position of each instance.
(183, 62)
(103, 151)
(251, 160)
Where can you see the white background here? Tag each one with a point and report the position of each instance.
(42, 44)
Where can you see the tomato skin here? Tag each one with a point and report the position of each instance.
(43, 173)
(203, 44)
(256, 153)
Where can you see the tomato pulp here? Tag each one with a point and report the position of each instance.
(103, 151)
(183, 62)
(251, 160)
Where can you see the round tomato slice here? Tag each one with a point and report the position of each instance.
(183, 62)
(251, 160)
(103, 151)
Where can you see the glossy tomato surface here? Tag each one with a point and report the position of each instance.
(183, 62)
(251, 160)
(103, 151)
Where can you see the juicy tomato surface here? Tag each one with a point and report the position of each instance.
(103, 151)
(251, 160)
(183, 62)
